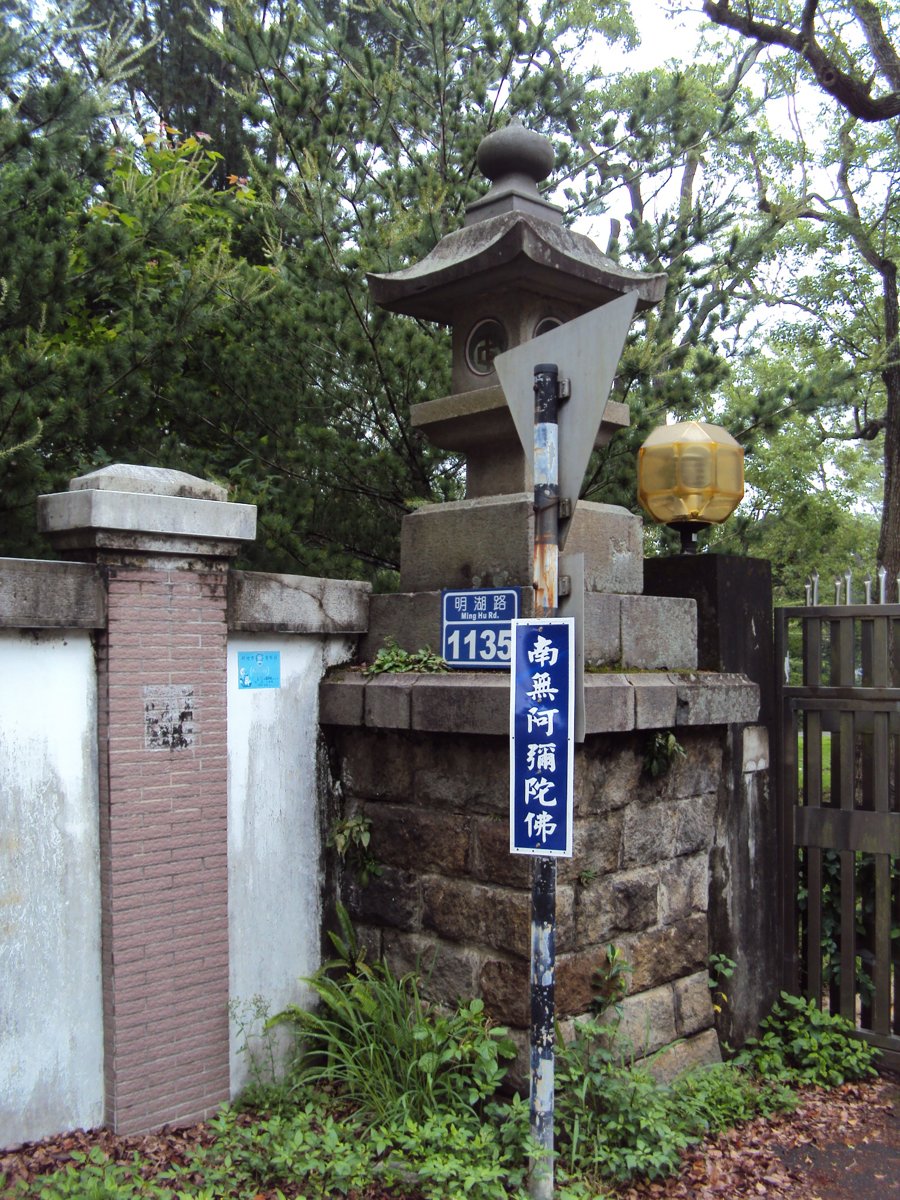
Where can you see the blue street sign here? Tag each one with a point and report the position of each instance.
(542, 737)
(476, 627)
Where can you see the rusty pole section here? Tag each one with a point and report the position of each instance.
(543, 872)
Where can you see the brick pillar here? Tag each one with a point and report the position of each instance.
(164, 540)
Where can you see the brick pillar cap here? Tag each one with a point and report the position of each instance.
(145, 510)
(154, 481)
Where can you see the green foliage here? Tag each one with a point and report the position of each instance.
(391, 1091)
(611, 1117)
(615, 1121)
(721, 969)
(393, 659)
(94, 1176)
(447, 1154)
(610, 981)
(801, 1044)
(389, 1053)
(663, 750)
(350, 837)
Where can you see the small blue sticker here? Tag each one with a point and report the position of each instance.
(259, 669)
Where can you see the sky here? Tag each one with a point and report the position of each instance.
(663, 35)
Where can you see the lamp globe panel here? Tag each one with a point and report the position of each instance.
(690, 472)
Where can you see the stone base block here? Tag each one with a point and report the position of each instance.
(487, 542)
(643, 633)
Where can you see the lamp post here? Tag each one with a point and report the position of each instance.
(689, 475)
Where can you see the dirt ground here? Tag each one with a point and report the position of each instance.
(839, 1145)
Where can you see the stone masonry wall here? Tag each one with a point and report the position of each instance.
(453, 898)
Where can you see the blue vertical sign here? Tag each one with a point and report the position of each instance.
(542, 736)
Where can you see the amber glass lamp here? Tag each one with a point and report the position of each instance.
(690, 475)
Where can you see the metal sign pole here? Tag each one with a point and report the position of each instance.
(543, 873)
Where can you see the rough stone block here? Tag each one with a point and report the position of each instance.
(415, 839)
(504, 987)
(608, 704)
(596, 847)
(477, 915)
(700, 770)
(576, 989)
(658, 956)
(393, 898)
(462, 773)
(375, 765)
(491, 860)
(461, 703)
(695, 824)
(659, 633)
(700, 1051)
(565, 918)
(370, 939)
(693, 1004)
(611, 539)
(648, 834)
(447, 973)
(341, 699)
(631, 898)
(620, 904)
(655, 701)
(683, 888)
(648, 1021)
(711, 699)
(607, 775)
(387, 701)
(602, 629)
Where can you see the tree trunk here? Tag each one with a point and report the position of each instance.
(889, 540)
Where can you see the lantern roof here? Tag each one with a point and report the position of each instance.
(513, 238)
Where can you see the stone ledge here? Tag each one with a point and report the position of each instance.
(478, 702)
(38, 594)
(262, 602)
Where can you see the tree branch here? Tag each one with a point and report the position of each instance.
(852, 94)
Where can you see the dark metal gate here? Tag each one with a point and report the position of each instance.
(839, 753)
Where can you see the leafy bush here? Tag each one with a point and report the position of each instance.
(387, 1052)
(611, 1118)
(615, 1121)
(801, 1045)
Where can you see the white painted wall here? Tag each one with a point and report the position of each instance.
(51, 1027)
(274, 834)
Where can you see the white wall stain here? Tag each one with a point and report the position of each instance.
(51, 1034)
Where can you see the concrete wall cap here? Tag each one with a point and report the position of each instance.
(262, 602)
(39, 594)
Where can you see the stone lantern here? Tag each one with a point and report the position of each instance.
(511, 273)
